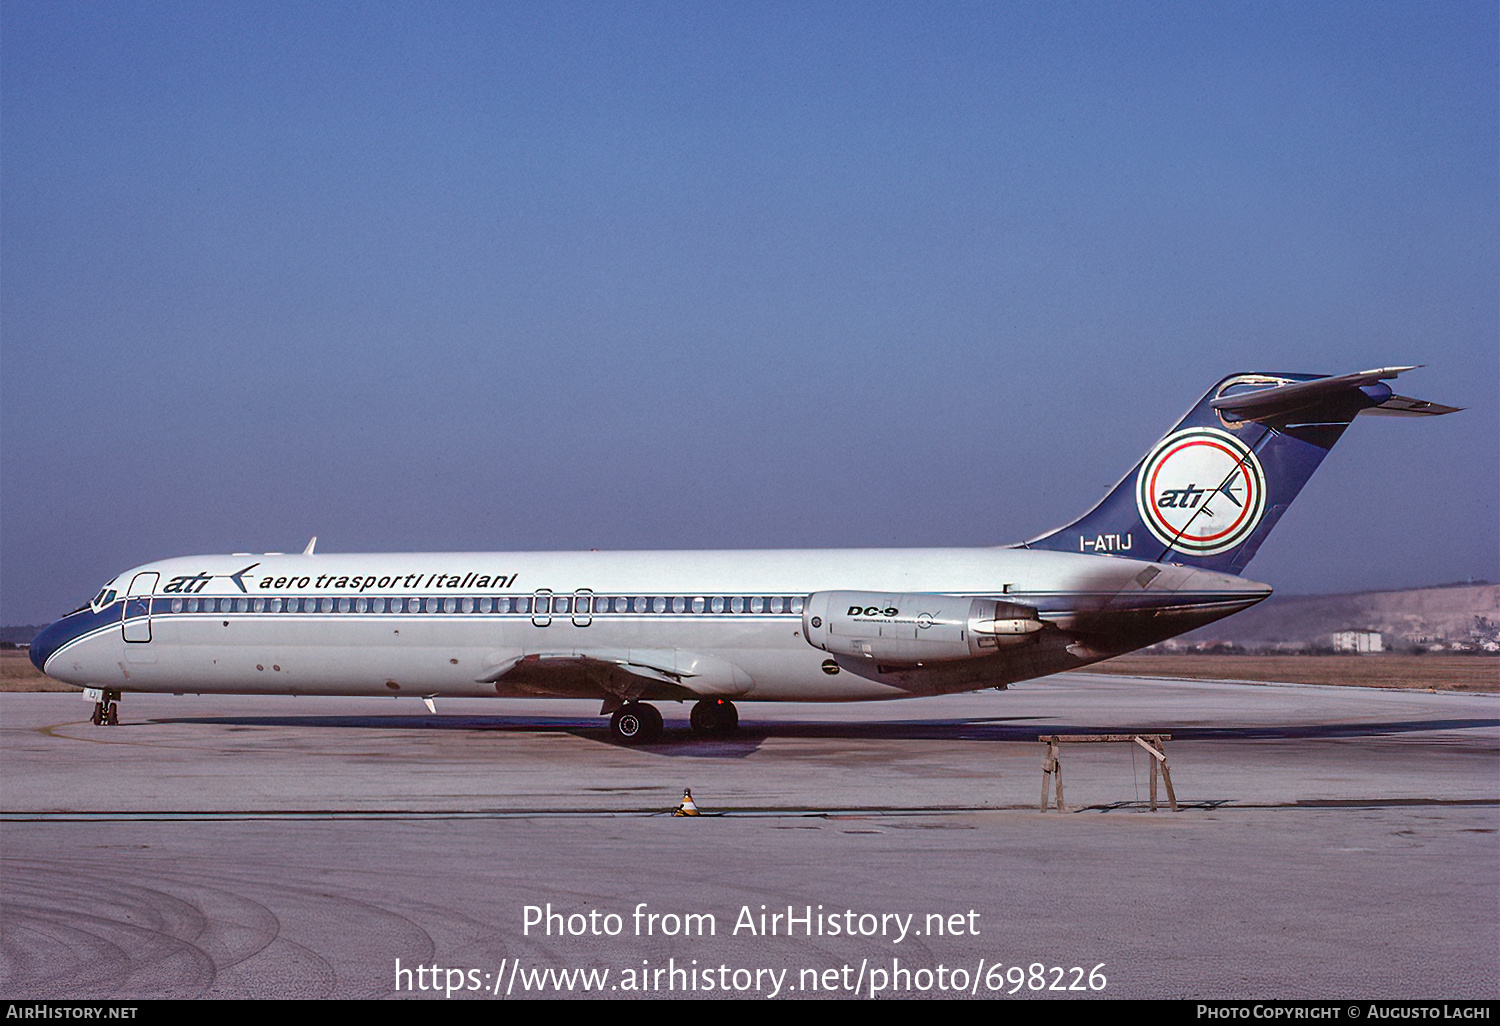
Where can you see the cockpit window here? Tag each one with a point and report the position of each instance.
(103, 599)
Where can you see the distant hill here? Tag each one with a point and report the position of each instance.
(1417, 617)
(20, 636)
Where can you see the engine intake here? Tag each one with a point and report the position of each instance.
(910, 628)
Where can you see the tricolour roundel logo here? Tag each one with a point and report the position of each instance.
(1201, 491)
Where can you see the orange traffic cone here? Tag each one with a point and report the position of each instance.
(686, 807)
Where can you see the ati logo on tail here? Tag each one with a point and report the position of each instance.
(1201, 491)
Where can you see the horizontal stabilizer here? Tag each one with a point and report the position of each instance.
(1401, 406)
(1277, 399)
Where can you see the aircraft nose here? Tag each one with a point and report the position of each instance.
(53, 637)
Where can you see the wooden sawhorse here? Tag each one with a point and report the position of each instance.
(1154, 744)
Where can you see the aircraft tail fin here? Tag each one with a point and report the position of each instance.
(1209, 493)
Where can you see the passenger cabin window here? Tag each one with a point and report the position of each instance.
(580, 605)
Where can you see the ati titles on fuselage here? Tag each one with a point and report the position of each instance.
(192, 584)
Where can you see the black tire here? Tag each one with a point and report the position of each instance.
(714, 716)
(113, 717)
(635, 723)
(654, 723)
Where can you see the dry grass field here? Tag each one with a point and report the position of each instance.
(1444, 673)
(1447, 673)
(17, 674)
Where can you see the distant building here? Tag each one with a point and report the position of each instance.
(1363, 642)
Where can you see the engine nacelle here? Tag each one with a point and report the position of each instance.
(907, 629)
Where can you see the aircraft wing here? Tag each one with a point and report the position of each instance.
(618, 676)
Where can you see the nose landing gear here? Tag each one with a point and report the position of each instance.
(107, 710)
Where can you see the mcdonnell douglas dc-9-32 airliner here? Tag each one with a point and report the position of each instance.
(1160, 555)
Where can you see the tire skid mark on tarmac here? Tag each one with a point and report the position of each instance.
(185, 936)
(91, 736)
(105, 936)
(250, 947)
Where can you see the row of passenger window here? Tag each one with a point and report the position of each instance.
(539, 605)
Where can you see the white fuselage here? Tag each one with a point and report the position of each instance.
(719, 623)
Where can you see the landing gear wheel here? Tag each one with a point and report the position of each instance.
(107, 710)
(714, 716)
(635, 723)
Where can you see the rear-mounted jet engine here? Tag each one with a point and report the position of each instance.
(909, 629)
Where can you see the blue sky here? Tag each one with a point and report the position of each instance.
(548, 275)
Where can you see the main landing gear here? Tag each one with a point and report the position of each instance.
(107, 710)
(714, 716)
(635, 723)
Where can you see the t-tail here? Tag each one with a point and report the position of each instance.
(1210, 492)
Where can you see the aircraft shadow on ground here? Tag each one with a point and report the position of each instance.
(680, 741)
